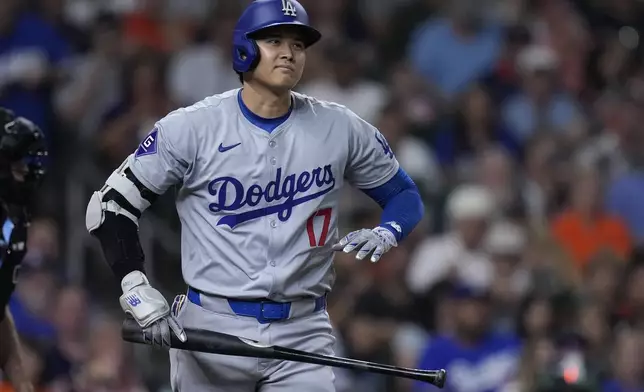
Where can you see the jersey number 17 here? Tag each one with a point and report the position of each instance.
(324, 214)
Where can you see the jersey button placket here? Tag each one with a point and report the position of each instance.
(272, 144)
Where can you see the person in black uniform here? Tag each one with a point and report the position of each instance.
(22, 149)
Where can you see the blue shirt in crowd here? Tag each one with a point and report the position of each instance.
(485, 367)
(31, 38)
(622, 200)
(451, 62)
(520, 115)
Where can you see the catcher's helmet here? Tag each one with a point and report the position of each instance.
(262, 14)
(21, 142)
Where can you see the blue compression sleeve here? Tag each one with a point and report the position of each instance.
(401, 203)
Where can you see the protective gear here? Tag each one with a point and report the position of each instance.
(23, 149)
(262, 14)
(378, 240)
(119, 195)
(112, 216)
(150, 310)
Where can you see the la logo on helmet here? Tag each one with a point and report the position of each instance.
(288, 8)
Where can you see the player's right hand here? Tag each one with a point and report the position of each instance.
(150, 310)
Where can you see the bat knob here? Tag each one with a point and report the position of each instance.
(440, 378)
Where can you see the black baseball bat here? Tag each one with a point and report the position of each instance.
(221, 343)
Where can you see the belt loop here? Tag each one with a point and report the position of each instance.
(320, 303)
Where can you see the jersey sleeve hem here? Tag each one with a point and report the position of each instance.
(144, 180)
(374, 184)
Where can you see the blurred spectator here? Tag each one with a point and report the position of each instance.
(540, 106)
(95, 83)
(347, 83)
(535, 318)
(32, 305)
(505, 243)
(53, 12)
(541, 186)
(557, 25)
(620, 200)
(144, 28)
(43, 244)
(536, 358)
(450, 53)
(603, 276)
(420, 107)
(616, 117)
(473, 128)
(627, 363)
(505, 79)
(593, 326)
(394, 35)
(32, 56)
(495, 170)
(584, 228)
(413, 154)
(632, 305)
(108, 367)
(460, 253)
(475, 358)
(194, 11)
(72, 327)
(32, 366)
(145, 100)
(204, 69)
(338, 20)
(552, 271)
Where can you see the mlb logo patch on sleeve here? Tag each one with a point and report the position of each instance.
(148, 146)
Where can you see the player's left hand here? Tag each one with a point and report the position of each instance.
(378, 240)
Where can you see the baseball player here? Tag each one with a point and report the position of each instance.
(260, 170)
(21, 147)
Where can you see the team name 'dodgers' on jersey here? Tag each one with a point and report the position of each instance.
(233, 196)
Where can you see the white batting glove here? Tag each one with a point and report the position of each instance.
(150, 310)
(378, 240)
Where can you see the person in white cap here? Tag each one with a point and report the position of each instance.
(460, 253)
(505, 244)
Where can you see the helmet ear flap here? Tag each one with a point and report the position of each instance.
(245, 54)
(256, 57)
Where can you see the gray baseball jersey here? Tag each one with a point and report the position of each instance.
(258, 210)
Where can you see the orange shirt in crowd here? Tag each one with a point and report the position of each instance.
(141, 30)
(6, 387)
(582, 240)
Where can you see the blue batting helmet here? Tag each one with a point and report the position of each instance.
(262, 14)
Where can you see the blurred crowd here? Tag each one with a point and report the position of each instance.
(518, 119)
